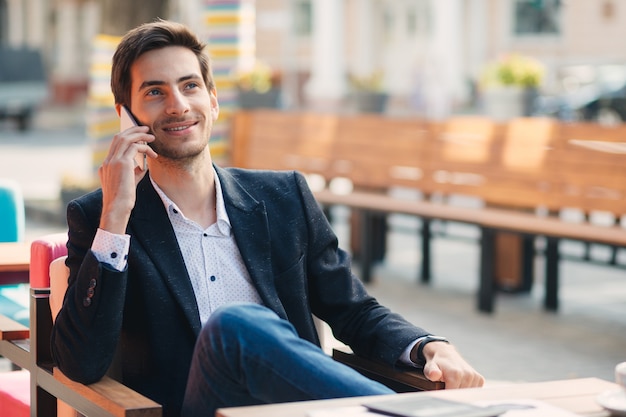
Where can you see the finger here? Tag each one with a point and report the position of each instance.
(125, 139)
(136, 129)
(471, 379)
(478, 380)
(432, 372)
(118, 147)
(146, 149)
(126, 154)
(454, 377)
(139, 173)
(122, 139)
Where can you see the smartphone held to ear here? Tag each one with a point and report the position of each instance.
(127, 120)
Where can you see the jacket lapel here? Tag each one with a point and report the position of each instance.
(150, 224)
(248, 218)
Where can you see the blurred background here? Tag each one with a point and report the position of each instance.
(428, 57)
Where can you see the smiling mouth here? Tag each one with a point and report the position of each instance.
(178, 128)
(174, 129)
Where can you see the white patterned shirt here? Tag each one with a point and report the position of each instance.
(214, 263)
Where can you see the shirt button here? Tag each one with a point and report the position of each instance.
(213, 278)
(93, 283)
(114, 255)
(86, 301)
(90, 292)
(204, 234)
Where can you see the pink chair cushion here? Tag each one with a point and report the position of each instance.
(43, 251)
(15, 393)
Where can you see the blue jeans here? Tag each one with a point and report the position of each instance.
(247, 355)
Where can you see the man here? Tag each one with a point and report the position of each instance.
(199, 283)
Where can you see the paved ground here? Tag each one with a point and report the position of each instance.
(518, 342)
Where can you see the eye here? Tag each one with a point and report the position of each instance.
(191, 85)
(153, 92)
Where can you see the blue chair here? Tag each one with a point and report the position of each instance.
(12, 217)
(12, 224)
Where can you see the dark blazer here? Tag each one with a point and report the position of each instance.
(146, 317)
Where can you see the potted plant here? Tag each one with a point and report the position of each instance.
(258, 86)
(73, 187)
(510, 86)
(367, 92)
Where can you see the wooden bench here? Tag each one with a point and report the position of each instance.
(517, 170)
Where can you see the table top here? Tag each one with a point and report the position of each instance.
(601, 146)
(14, 256)
(575, 395)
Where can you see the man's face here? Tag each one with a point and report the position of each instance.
(168, 94)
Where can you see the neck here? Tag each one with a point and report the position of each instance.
(191, 187)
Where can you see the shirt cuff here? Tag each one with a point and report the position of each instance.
(111, 249)
(405, 358)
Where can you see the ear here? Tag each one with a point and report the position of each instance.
(215, 106)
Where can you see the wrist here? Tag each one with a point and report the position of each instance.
(419, 356)
(114, 222)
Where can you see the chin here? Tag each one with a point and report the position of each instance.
(183, 153)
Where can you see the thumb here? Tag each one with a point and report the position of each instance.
(432, 371)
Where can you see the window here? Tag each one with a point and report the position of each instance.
(302, 18)
(537, 17)
(419, 19)
(388, 23)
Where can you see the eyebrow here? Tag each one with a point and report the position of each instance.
(184, 78)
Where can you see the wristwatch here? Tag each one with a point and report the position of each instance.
(426, 340)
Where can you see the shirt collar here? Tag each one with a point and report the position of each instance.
(223, 222)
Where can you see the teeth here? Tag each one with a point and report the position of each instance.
(177, 128)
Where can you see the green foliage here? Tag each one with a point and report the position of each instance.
(514, 70)
(372, 82)
(258, 78)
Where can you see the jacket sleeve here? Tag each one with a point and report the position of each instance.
(339, 298)
(87, 329)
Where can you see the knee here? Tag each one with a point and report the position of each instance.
(233, 319)
(234, 315)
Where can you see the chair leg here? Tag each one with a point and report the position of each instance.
(43, 404)
(486, 291)
(551, 302)
(366, 246)
(425, 272)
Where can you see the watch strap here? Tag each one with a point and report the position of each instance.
(426, 340)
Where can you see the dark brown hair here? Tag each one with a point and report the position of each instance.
(148, 37)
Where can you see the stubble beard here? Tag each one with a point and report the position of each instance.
(182, 156)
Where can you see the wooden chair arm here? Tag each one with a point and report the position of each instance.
(399, 379)
(12, 330)
(14, 343)
(109, 398)
(105, 398)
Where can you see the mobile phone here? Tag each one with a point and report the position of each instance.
(127, 120)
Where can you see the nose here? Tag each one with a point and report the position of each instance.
(177, 103)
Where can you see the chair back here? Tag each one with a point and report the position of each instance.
(12, 218)
(42, 252)
(48, 270)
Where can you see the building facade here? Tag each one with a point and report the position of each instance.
(429, 53)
